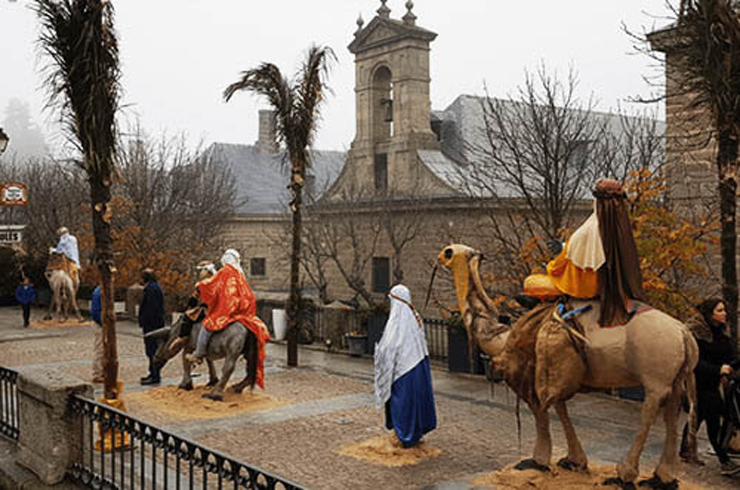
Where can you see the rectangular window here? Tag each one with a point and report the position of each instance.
(257, 267)
(381, 274)
(381, 171)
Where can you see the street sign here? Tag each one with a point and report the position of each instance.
(10, 234)
(13, 194)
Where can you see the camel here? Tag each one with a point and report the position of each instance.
(653, 350)
(63, 286)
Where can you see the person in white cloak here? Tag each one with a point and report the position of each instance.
(403, 380)
(68, 246)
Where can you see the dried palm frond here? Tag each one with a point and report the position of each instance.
(83, 76)
(707, 52)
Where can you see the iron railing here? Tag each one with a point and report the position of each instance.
(315, 320)
(437, 341)
(9, 426)
(150, 457)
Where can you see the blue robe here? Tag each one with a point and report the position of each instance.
(410, 410)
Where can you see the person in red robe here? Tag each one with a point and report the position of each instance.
(230, 299)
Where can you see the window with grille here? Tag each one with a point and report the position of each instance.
(257, 267)
(381, 274)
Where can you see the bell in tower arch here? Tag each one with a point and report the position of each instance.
(388, 103)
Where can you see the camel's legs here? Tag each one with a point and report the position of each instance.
(543, 443)
(576, 458)
(629, 468)
(76, 307)
(666, 468)
(52, 306)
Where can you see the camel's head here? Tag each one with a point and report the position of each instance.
(464, 264)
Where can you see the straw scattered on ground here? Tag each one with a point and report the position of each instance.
(70, 322)
(387, 451)
(187, 405)
(557, 479)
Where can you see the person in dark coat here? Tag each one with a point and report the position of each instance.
(98, 346)
(716, 361)
(25, 294)
(151, 317)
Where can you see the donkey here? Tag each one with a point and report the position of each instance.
(230, 343)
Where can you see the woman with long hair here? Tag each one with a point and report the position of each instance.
(716, 357)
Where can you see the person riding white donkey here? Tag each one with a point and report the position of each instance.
(230, 299)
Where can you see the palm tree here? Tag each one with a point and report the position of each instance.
(706, 51)
(297, 104)
(83, 81)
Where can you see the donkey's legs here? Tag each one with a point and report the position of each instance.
(217, 393)
(187, 379)
(212, 374)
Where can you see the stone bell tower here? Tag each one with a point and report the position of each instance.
(392, 102)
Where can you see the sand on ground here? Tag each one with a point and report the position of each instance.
(511, 478)
(387, 451)
(186, 405)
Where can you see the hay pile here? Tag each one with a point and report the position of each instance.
(70, 322)
(387, 451)
(510, 478)
(188, 405)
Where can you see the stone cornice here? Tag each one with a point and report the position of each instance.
(665, 39)
(396, 30)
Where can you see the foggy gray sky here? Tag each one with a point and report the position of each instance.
(179, 55)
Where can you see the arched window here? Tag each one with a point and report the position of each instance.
(382, 104)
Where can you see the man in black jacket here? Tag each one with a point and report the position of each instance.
(151, 317)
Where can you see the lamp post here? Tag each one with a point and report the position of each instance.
(4, 140)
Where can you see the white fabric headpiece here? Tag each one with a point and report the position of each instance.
(403, 345)
(585, 249)
(231, 257)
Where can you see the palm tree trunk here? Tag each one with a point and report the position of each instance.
(727, 165)
(294, 300)
(101, 195)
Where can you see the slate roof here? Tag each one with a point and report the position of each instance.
(461, 129)
(262, 178)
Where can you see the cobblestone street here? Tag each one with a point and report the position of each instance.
(327, 403)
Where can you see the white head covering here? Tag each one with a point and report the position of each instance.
(403, 345)
(231, 257)
(585, 249)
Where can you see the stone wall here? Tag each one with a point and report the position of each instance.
(49, 439)
(459, 222)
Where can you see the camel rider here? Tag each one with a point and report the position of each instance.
(600, 259)
(230, 299)
(196, 310)
(68, 246)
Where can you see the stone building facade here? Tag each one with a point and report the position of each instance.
(400, 178)
(691, 150)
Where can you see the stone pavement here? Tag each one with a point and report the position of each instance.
(331, 405)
